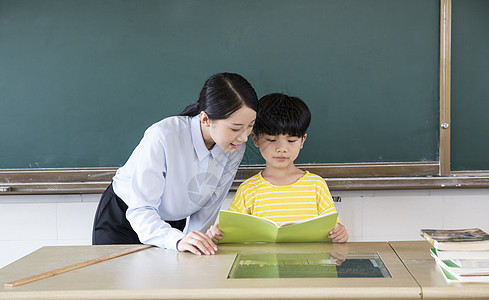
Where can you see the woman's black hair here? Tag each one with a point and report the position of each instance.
(282, 114)
(222, 95)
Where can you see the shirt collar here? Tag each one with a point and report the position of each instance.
(199, 144)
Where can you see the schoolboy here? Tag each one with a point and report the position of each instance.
(282, 192)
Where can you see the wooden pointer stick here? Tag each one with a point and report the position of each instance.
(74, 267)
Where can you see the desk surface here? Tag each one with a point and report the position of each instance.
(417, 259)
(162, 274)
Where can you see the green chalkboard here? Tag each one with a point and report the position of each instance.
(470, 85)
(80, 81)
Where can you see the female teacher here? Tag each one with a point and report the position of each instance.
(182, 168)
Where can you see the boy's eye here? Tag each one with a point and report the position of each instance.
(292, 141)
(235, 130)
(270, 140)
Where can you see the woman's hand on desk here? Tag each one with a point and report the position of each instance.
(215, 234)
(339, 234)
(197, 243)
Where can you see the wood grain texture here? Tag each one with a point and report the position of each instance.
(74, 267)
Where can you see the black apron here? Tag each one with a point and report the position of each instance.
(111, 226)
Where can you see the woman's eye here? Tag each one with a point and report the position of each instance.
(235, 130)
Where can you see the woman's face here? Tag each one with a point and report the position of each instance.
(228, 133)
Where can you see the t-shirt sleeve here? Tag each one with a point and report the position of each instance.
(323, 197)
(238, 204)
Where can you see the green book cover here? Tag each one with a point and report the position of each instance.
(242, 228)
(447, 275)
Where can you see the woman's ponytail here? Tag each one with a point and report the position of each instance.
(191, 110)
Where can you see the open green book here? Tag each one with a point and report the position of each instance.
(242, 228)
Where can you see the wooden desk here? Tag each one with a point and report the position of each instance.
(162, 274)
(416, 257)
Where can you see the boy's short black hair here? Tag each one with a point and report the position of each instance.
(281, 114)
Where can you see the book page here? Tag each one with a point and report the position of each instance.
(240, 228)
(302, 221)
(311, 230)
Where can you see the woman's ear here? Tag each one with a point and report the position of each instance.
(204, 119)
(303, 140)
(254, 137)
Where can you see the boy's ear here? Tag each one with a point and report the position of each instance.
(204, 119)
(303, 140)
(254, 137)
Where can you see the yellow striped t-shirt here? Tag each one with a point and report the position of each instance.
(306, 198)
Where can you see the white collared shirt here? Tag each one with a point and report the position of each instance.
(171, 175)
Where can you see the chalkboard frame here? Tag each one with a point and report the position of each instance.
(445, 69)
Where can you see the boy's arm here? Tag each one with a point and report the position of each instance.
(325, 205)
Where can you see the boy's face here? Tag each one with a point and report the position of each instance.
(279, 151)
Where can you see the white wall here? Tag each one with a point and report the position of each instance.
(28, 222)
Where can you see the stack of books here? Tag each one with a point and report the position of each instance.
(462, 255)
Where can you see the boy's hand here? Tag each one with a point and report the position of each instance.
(338, 234)
(197, 243)
(215, 234)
